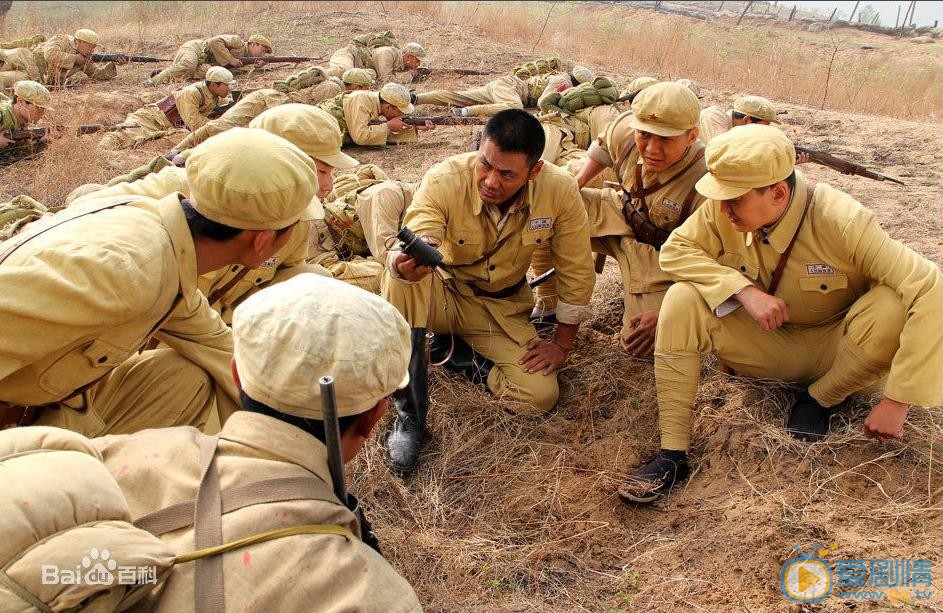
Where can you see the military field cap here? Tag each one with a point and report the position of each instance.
(582, 74)
(218, 74)
(640, 83)
(88, 36)
(746, 157)
(398, 96)
(755, 106)
(258, 38)
(290, 334)
(250, 179)
(309, 128)
(666, 109)
(34, 93)
(359, 76)
(414, 49)
(694, 87)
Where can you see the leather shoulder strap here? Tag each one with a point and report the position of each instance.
(781, 264)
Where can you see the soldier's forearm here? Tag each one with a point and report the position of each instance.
(565, 335)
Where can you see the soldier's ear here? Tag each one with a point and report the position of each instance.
(535, 170)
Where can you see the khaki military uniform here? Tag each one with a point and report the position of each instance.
(227, 287)
(91, 293)
(361, 220)
(567, 137)
(254, 104)
(354, 111)
(195, 57)
(17, 150)
(17, 65)
(481, 294)
(861, 306)
(326, 572)
(55, 60)
(387, 62)
(643, 280)
(194, 104)
(714, 121)
(507, 92)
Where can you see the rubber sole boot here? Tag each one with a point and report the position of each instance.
(808, 420)
(411, 404)
(464, 360)
(650, 482)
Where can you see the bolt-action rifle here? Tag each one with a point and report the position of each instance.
(126, 57)
(439, 120)
(40, 132)
(844, 166)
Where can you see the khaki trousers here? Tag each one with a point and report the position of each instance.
(611, 236)
(496, 328)
(186, 64)
(153, 389)
(491, 98)
(151, 124)
(835, 359)
(238, 116)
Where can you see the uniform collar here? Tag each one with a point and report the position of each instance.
(276, 439)
(521, 200)
(171, 215)
(781, 233)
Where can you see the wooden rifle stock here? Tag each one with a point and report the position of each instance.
(844, 166)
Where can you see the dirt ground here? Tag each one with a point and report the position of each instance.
(515, 514)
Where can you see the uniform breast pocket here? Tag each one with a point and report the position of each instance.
(462, 244)
(824, 293)
(530, 242)
(740, 264)
(81, 366)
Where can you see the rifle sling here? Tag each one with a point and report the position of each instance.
(777, 275)
(219, 293)
(638, 218)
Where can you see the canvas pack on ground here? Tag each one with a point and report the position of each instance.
(599, 91)
(537, 67)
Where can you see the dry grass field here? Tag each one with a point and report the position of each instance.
(514, 514)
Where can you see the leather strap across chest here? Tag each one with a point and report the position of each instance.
(777, 275)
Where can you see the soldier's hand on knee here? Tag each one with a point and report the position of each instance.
(768, 311)
(641, 340)
(542, 356)
(886, 420)
(409, 269)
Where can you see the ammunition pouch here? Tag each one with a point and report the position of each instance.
(642, 227)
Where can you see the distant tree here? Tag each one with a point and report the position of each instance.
(869, 14)
(4, 7)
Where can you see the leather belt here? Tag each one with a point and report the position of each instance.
(15, 415)
(507, 292)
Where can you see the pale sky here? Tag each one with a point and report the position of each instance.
(925, 12)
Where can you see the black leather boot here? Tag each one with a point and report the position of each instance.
(411, 404)
(464, 360)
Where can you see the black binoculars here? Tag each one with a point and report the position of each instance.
(419, 250)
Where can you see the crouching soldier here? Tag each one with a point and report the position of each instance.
(269, 465)
(785, 279)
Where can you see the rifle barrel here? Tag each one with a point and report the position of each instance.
(844, 166)
(332, 438)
